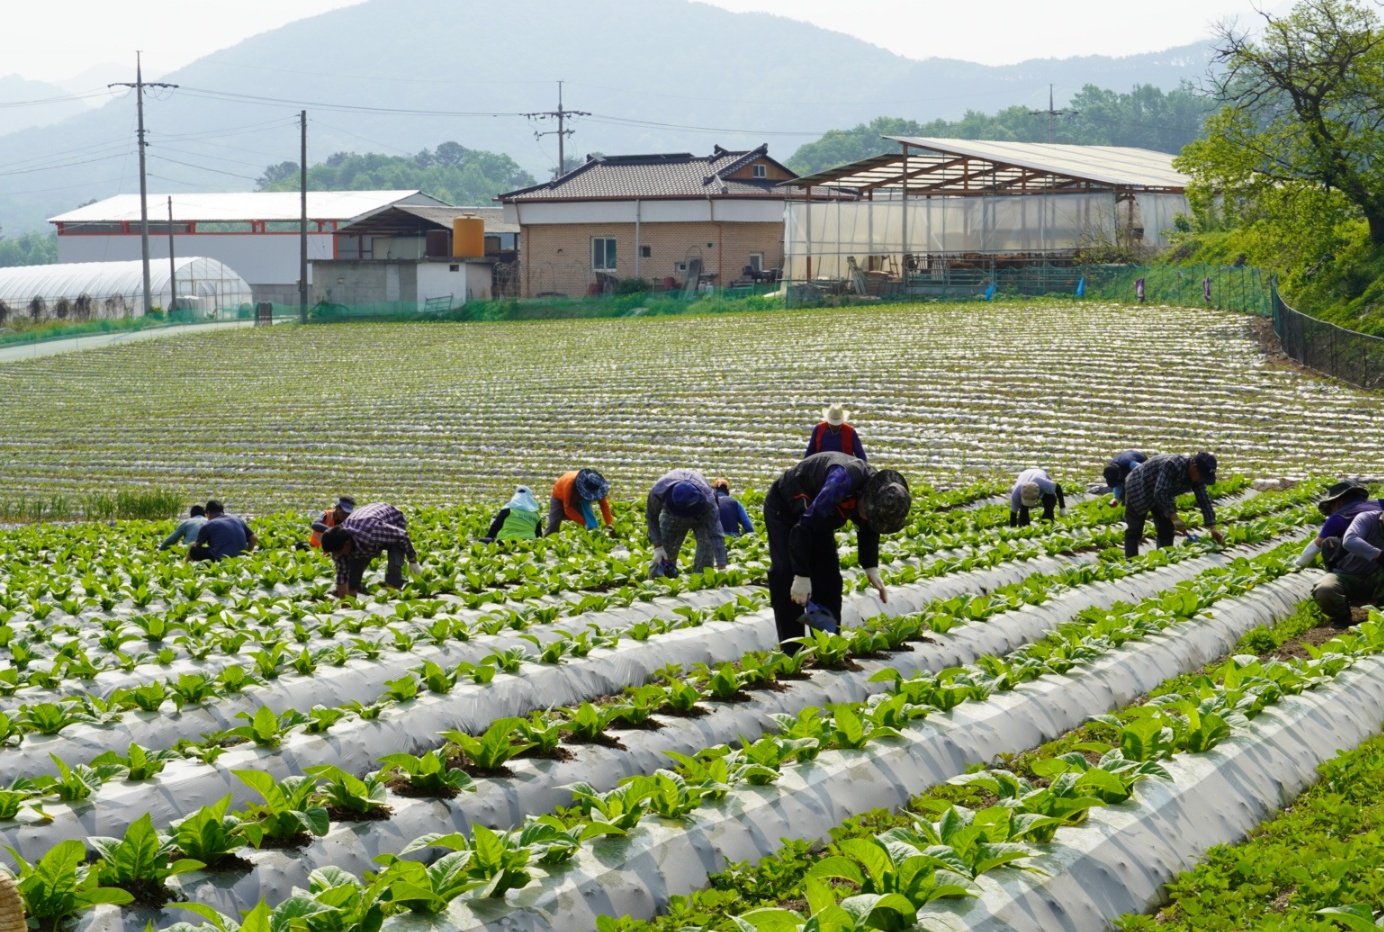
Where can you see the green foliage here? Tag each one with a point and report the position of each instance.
(451, 172)
(288, 814)
(60, 885)
(29, 249)
(209, 835)
(140, 862)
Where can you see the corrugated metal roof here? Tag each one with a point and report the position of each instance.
(241, 207)
(949, 166)
(675, 174)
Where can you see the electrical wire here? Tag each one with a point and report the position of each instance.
(344, 108)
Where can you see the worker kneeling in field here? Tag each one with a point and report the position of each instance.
(1152, 490)
(802, 512)
(221, 536)
(518, 519)
(575, 494)
(366, 533)
(330, 519)
(1353, 576)
(1032, 487)
(1364, 561)
(681, 501)
(1118, 470)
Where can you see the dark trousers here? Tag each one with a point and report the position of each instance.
(824, 569)
(1134, 530)
(393, 571)
(1025, 518)
(200, 552)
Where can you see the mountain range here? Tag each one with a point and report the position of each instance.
(650, 75)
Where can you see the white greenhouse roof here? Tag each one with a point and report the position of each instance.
(255, 205)
(970, 167)
(20, 285)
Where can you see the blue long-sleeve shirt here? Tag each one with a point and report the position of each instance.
(734, 519)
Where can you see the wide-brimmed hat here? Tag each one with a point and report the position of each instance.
(1347, 490)
(835, 415)
(886, 501)
(1030, 494)
(591, 485)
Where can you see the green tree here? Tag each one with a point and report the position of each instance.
(1301, 123)
(452, 173)
(29, 249)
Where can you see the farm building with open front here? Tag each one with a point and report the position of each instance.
(947, 215)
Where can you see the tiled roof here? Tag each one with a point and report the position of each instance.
(676, 174)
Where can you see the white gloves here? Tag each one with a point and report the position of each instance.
(1062, 512)
(415, 567)
(801, 591)
(1309, 554)
(872, 574)
(660, 554)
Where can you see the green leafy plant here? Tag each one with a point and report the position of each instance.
(59, 885)
(288, 815)
(349, 797)
(491, 750)
(140, 863)
(209, 835)
(427, 775)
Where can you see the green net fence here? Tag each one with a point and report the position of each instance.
(1357, 358)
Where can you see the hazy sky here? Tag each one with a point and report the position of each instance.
(58, 39)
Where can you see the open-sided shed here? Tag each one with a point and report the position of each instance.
(939, 203)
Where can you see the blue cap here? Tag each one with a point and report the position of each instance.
(685, 500)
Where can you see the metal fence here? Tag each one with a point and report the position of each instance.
(1357, 358)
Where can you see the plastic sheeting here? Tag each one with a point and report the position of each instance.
(79, 290)
(828, 232)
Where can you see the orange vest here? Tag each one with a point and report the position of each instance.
(329, 519)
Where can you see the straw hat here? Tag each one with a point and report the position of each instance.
(11, 907)
(835, 415)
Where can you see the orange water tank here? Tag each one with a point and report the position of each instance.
(468, 237)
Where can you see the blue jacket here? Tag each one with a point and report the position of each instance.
(734, 519)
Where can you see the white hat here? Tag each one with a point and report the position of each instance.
(835, 415)
(1029, 494)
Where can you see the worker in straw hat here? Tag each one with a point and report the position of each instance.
(835, 435)
(1349, 570)
(1031, 488)
(803, 509)
(681, 501)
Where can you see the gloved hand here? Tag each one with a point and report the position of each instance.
(1062, 512)
(872, 574)
(801, 591)
(1216, 534)
(415, 567)
(660, 554)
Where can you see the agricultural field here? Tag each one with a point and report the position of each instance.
(538, 737)
(429, 414)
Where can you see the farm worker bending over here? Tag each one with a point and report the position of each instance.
(682, 501)
(802, 512)
(574, 494)
(1348, 576)
(1034, 486)
(186, 531)
(734, 519)
(518, 520)
(1118, 470)
(331, 518)
(1360, 577)
(366, 533)
(1153, 488)
(222, 536)
(834, 435)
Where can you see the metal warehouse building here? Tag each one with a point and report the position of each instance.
(944, 211)
(254, 233)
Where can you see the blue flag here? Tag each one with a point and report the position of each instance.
(990, 291)
(1081, 287)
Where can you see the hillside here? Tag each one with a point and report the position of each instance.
(646, 70)
(14, 89)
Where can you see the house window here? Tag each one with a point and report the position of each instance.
(757, 261)
(603, 253)
(760, 171)
(646, 252)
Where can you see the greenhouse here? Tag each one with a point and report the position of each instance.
(95, 290)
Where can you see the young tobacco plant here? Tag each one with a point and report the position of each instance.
(349, 796)
(288, 815)
(209, 835)
(492, 750)
(427, 775)
(60, 885)
(141, 862)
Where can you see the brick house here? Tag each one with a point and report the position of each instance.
(649, 216)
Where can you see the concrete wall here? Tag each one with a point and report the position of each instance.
(400, 282)
(557, 258)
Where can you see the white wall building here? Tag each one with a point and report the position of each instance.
(256, 233)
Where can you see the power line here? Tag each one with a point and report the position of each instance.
(389, 111)
(561, 132)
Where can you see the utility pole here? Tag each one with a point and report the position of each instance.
(562, 132)
(139, 85)
(303, 219)
(172, 265)
(1050, 113)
